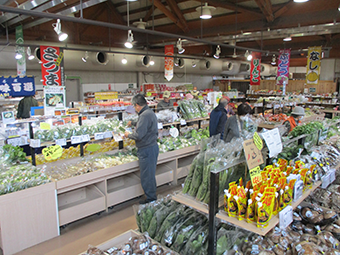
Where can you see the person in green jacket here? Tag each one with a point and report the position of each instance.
(24, 107)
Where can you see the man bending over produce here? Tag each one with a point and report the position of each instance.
(145, 134)
(294, 119)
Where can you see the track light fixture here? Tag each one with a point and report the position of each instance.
(57, 28)
(273, 60)
(248, 55)
(218, 52)
(128, 44)
(179, 46)
(124, 61)
(140, 24)
(287, 39)
(29, 54)
(205, 11)
(18, 55)
(86, 56)
(194, 63)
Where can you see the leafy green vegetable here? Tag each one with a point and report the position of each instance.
(13, 154)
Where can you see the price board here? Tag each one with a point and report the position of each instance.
(253, 155)
(255, 175)
(52, 152)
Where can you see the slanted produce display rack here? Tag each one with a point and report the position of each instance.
(215, 203)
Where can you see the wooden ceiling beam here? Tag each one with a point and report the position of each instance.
(175, 9)
(168, 13)
(284, 9)
(266, 10)
(116, 14)
(148, 14)
(94, 17)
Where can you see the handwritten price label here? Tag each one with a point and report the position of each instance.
(255, 175)
(45, 126)
(52, 152)
(258, 141)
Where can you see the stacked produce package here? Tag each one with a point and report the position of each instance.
(192, 109)
(184, 230)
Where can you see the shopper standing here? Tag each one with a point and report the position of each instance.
(24, 107)
(218, 118)
(233, 126)
(145, 134)
(294, 120)
(165, 103)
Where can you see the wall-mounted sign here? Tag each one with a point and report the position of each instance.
(17, 86)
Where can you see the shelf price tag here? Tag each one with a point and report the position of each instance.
(35, 143)
(76, 139)
(160, 125)
(45, 126)
(286, 217)
(255, 175)
(14, 141)
(98, 136)
(52, 152)
(183, 122)
(85, 138)
(108, 134)
(61, 142)
(117, 138)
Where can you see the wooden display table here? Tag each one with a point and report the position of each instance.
(333, 112)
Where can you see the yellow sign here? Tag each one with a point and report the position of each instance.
(313, 65)
(255, 175)
(106, 95)
(45, 125)
(52, 152)
(148, 94)
(258, 141)
(93, 147)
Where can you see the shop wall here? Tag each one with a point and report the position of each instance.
(298, 86)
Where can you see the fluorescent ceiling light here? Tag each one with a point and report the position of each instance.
(287, 39)
(57, 28)
(128, 44)
(300, 1)
(205, 11)
(179, 46)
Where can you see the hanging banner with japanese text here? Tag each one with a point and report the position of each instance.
(17, 86)
(283, 68)
(21, 63)
(255, 70)
(169, 62)
(313, 65)
(52, 66)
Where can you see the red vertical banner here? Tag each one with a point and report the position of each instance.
(255, 69)
(52, 66)
(283, 68)
(169, 62)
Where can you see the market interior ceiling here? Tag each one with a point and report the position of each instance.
(256, 24)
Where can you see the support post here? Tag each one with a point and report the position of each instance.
(30, 128)
(213, 208)
(82, 143)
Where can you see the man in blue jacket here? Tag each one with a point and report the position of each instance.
(218, 118)
(145, 134)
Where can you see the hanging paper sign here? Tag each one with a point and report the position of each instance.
(313, 65)
(273, 141)
(17, 86)
(169, 62)
(253, 155)
(283, 68)
(255, 69)
(52, 66)
(21, 63)
(255, 175)
(54, 99)
(52, 152)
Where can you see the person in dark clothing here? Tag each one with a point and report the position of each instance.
(165, 103)
(233, 126)
(145, 135)
(24, 107)
(218, 118)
